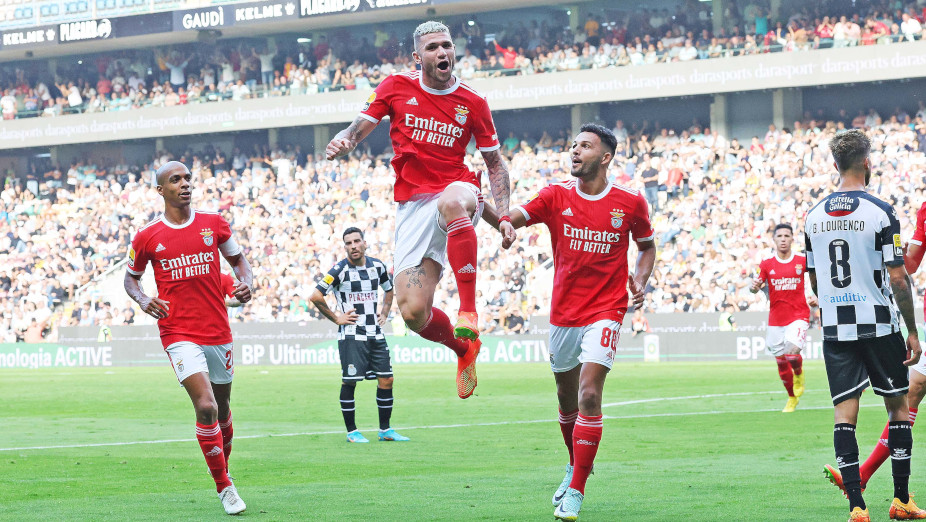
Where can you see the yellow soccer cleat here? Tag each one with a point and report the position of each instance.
(859, 515)
(799, 385)
(908, 511)
(466, 370)
(467, 326)
(791, 405)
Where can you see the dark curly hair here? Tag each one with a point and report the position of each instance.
(850, 149)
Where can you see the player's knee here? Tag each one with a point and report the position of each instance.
(207, 411)
(385, 383)
(414, 317)
(452, 207)
(589, 400)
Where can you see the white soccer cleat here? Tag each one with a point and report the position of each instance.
(570, 506)
(558, 496)
(231, 501)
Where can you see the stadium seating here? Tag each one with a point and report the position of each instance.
(638, 38)
(284, 205)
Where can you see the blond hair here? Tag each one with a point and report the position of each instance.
(428, 27)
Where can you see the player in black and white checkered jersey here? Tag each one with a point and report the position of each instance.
(856, 267)
(356, 282)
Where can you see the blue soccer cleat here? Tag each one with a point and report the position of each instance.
(558, 496)
(570, 506)
(356, 436)
(391, 435)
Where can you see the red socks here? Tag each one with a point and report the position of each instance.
(439, 330)
(786, 374)
(461, 252)
(567, 422)
(210, 441)
(227, 433)
(585, 439)
(796, 362)
(880, 453)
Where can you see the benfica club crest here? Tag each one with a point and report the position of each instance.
(462, 113)
(799, 269)
(617, 218)
(207, 236)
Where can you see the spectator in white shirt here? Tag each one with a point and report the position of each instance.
(910, 27)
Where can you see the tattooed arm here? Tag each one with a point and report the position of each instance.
(501, 192)
(348, 139)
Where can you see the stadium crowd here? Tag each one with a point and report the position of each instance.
(714, 202)
(347, 60)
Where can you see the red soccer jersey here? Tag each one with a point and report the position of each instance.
(787, 301)
(228, 285)
(188, 274)
(919, 235)
(590, 236)
(430, 130)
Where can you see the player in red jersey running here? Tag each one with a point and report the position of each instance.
(913, 258)
(789, 314)
(183, 246)
(591, 222)
(433, 115)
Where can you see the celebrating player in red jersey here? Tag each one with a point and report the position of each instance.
(433, 115)
(789, 315)
(913, 257)
(183, 246)
(591, 221)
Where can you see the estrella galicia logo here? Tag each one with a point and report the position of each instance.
(842, 205)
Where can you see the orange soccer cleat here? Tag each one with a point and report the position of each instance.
(466, 370)
(859, 515)
(467, 326)
(908, 511)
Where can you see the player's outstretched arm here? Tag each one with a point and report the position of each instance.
(646, 260)
(903, 297)
(152, 306)
(244, 275)
(490, 216)
(348, 139)
(500, 185)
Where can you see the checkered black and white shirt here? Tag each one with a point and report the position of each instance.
(357, 288)
(851, 238)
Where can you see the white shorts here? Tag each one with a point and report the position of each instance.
(778, 337)
(419, 231)
(920, 367)
(188, 358)
(574, 345)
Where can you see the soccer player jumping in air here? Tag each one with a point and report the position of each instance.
(433, 115)
(591, 222)
(183, 246)
(789, 315)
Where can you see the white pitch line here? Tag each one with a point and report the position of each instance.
(452, 426)
(688, 397)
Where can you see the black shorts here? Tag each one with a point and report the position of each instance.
(851, 365)
(364, 359)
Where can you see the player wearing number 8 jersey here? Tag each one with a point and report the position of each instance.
(591, 223)
(183, 246)
(855, 259)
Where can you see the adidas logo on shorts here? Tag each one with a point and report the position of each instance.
(468, 269)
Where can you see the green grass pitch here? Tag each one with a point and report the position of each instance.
(666, 454)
